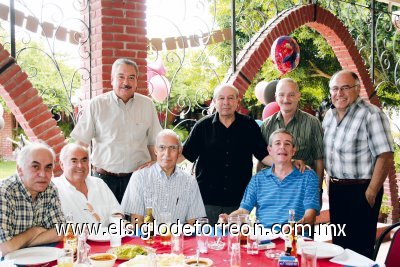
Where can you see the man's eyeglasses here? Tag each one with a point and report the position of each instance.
(162, 148)
(344, 88)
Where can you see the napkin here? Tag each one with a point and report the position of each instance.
(352, 258)
(7, 263)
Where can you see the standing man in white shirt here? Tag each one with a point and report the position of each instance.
(88, 199)
(122, 126)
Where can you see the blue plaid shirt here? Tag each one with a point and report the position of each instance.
(19, 213)
(353, 144)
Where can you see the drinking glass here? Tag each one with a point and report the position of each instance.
(177, 243)
(202, 235)
(233, 222)
(65, 258)
(115, 233)
(244, 229)
(309, 256)
(164, 227)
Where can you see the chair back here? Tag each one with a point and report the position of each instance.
(393, 256)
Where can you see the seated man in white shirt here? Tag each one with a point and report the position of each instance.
(164, 186)
(88, 199)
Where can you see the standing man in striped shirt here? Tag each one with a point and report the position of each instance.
(358, 149)
(282, 187)
(305, 128)
(164, 186)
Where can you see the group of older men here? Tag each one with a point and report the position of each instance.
(135, 164)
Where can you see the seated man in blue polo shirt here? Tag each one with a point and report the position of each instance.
(282, 187)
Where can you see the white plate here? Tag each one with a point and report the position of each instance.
(324, 250)
(33, 255)
(102, 235)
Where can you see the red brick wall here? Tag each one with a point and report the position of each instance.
(118, 30)
(5, 145)
(26, 105)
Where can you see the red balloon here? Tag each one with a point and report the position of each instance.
(270, 110)
(285, 54)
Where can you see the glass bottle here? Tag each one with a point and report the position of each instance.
(149, 223)
(291, 238)
(70, 240)
(83, 250)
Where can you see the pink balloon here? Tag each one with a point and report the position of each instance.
(259, 91)
(270, 110)
(159, 88)
(156, 67)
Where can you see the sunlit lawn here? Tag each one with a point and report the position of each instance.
(7, 168)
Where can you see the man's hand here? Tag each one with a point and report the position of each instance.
(300, 165)
(223, 218)
(147, 164)
(370, 195)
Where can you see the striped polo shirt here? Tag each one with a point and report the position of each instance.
(273, 198)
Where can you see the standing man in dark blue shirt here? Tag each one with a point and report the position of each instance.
(223, 145)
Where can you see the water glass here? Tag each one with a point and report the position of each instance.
(165, 231)
(309, 256)
(65, 258)
(115, 233)
(202, 235)
(253, 239)
(235, 255)
(233, 220)
(177, 243)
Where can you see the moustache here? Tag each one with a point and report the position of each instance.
(126, 87)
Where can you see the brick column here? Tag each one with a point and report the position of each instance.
(5, 145)
(118, 30)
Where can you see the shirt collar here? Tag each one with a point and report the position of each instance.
(279, 116)
(349, 108)
(161, 171)
(117, 100)
(68, 183)
(216, 117)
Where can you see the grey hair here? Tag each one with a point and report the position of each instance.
(222, 86)
(27, 150)
(287, 80)
(353, 74)
(68, 147)
(284, 131)
(126, 61)
(168, 132)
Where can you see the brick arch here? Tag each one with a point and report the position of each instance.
(27, 106)
(253, 56)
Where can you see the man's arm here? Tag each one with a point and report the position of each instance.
(21, 240)
(309, 217)
(379, 175)
(223, 218)
(152, 161)
(48, 236)
(319, 169)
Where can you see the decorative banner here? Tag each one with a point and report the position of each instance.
(285, 54)
(269, 92)
(270, 110)
(159, 88)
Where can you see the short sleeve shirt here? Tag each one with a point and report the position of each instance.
(19, 213)
(120, 132)
(307, 131)
(224, 157)
(274, 197)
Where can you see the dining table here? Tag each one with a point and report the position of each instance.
(219, 257)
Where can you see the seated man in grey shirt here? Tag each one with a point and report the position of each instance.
(164, 186)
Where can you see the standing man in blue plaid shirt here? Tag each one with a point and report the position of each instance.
(358, 151)
(29, 203)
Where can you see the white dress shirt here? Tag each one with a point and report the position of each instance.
(99, 196)
(120, 132)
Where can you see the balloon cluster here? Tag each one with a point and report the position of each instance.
(158, 85)
(1, 117)
(285, 54)
(265, 93)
